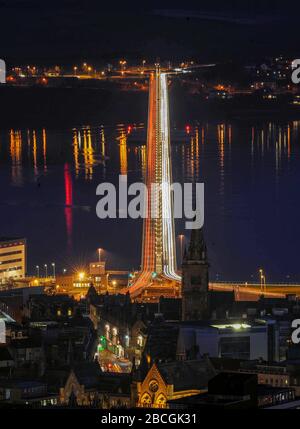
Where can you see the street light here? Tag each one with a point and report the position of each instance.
(46, 270)
(81, 275)
(53, 266)
(37, 270)
(64, 271)
(181, 238)
(122, 64)
(262, 279)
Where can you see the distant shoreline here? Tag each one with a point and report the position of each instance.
(61, 108)
(38, 107)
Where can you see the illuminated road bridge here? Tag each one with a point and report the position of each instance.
(158, 275)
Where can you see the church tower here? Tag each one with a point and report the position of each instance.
(194, 287)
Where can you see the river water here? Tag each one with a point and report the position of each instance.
(250, 171)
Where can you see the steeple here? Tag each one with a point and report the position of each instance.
(195, 282)
(197, 248)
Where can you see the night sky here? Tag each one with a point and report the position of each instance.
(69, 31)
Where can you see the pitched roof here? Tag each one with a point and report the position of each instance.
(186, 375)
(87, 373)
(225, 364)
(161, 343)
(115, 383)
(231, 383)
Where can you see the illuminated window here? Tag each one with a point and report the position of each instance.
(140, 341)
(161, 401)
(146, 401)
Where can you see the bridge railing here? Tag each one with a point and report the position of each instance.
(243, 283)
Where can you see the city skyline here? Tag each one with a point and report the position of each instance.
(149, 207)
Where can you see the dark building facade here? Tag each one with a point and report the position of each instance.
(195, 295)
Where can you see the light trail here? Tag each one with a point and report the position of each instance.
(148, 245)
(169, 247)
(159, 248)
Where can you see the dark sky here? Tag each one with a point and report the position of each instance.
(68, 31)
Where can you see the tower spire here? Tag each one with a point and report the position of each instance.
(197, 248)
(195, 285)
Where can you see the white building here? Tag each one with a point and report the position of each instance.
(12, 258)
(239, 340)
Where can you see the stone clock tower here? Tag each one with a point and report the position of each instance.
(194, 289)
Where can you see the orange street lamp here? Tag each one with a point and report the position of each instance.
(181, 238)
(81, 275)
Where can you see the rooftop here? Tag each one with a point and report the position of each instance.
(185, 375)
(8, 239)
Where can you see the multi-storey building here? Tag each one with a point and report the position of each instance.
(12, 258)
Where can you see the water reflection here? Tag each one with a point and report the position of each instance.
(16, 157)
(221, 144)
(123, 151)
(103, 150)
(76, 136)
(143, 159)
(89, 150)
(243, 166)
(68, 203)
(44, 149)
